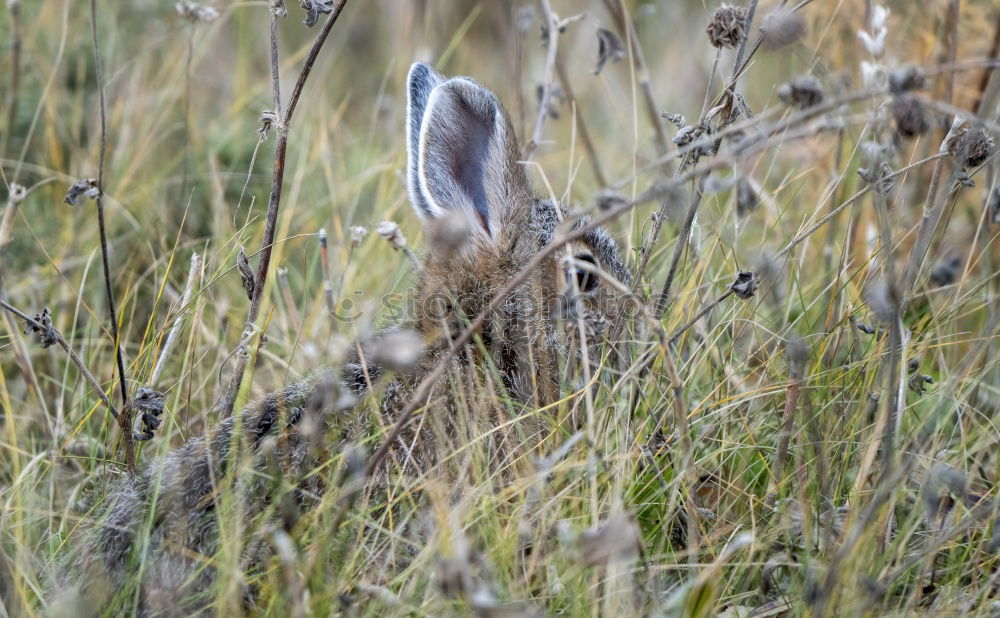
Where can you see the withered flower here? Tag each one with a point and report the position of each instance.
(910, 114)
(246, 273)
(85, 187)
(609, 48)
(727, 26)
(313, 8)
(906, 78)
(802, 92)
(745, 285)
(42, 326)
(781, 28)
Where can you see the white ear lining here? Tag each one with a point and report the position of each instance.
(436, 209)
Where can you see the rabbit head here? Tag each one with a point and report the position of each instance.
(465, 173)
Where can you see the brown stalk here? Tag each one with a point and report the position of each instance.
(277, 180)
(552, 23)
(588, 144)
(15, 71)
(73, 356)
(125, 418)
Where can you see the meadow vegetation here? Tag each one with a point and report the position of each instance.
(798, 417)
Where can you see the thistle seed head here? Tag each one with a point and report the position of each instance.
(910, 114)
(802, 92)
(782, 28)
(727, 26)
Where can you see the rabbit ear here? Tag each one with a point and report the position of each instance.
(419, 83)
(468, 157)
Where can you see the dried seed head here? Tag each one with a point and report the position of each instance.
(946, 271)
(745, 285)
(970, 145)
(42, 326)
(195, 12)
(802, 92)
(796, 354)
(85, 187)
(399, 350)
(358, 234)
(390, 231)
(451, 232)
(246, 273)
(675, 119)
(150, 403)
(781, 28)
(313, 8)
(910, 114)
(883, 299)
(609, 47)
(557, 96)
(17, 194)
(993, 205)
(727, 26)
(268, 120)
(906, 78)
(608, 199)
(918, 382)
(747, 199)
(873, 154)
(277, 8)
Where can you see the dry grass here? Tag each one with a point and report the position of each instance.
(811, 478)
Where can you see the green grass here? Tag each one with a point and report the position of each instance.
(183, 101)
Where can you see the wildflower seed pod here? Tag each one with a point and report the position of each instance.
(313, 8)
(993, 206)
(782, 28)
(398, 350)
(910, 115)
(727, 26)
(746, 198)
(246, 273)
(450, 232)
(907, 78)
(802, 92)
(358, 234)
(390, 231)
(745, 285)
(609, 48)
(85, 187)
(42, 326)
(195, 12)
(969, 145)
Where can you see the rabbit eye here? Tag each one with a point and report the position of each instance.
(585, 281)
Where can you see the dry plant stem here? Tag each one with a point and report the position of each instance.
(687, 446)
(984, 82)
(324, 259)
(588, 145)
(423, 390)
(125, 418)
(784, 437)
(932, 213)
(550, 65)
(270, 223)
(895, 343)
(69, 350)
(712, 305)
(171, 341)
(15, 73)
(888, 485)
(682, 240)
(627, 27)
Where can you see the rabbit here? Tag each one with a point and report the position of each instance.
(463, 165)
